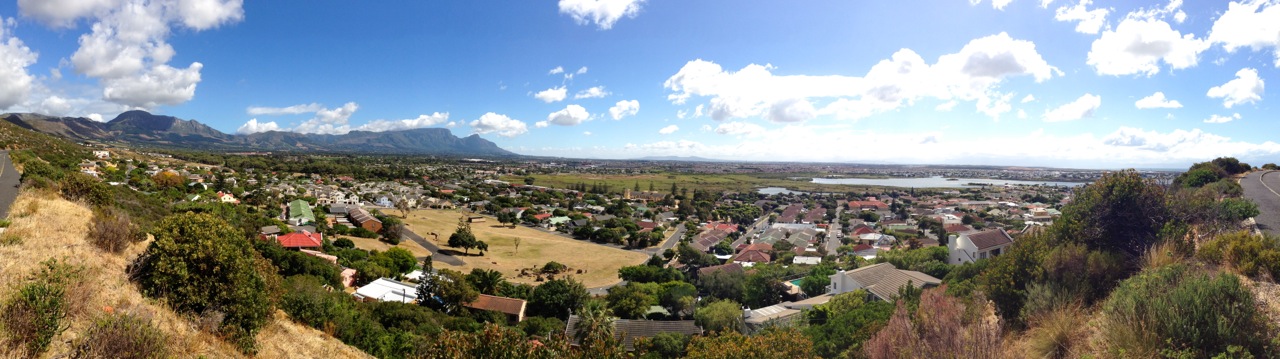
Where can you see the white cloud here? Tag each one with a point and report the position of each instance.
(670, 129)
(946, 106)
(1089, 21)
(421, 121)
(667, 146)
(1028, 98)
(1252, 24)
(1138, 45)
(1222, 119)
(571, 115)
(581, 70)
(1022, 114)
(552, 94)
(586, 133)
(500, 124)
(603, 13)
(624, 108)
(330, 121)
(995, 104)
(1157, 100)
(15, 57)
(1245, 88)
(556, 71)
(968, 75)
(253, 126)
(995, 4)
(291, 110)
(594, 92)
(1080, 108)
(740, 129)
(126, 48)
(96, 117)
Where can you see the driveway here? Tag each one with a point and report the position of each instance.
(436, 254)
(9, 180)
(1264, 189)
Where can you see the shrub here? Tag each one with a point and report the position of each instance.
(81, 187)
(112, 231)
(200, 263)
(121, 336)
(1183, 309)
(666, 345)
(1249, 254)
(35, 313)
(541, 326)
(939, 328)
(1058, 333)
(344, 243)
(554, 267)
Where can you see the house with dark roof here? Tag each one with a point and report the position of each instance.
(972, 246)
(513, 308)
(881, 281)
(361, 218)
(627, 330)
(754, 253)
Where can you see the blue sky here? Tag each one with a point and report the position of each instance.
(1017, 82)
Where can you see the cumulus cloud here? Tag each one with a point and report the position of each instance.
(995, 4)
(291, 110)
(126, 49)
(740, 129)
(556, 71)
(624, 108)
(1222, 119)
(1088, 21)
(499, 124)
(581, 70)
(667, 146)
(330, 121)
(1251, 24)
(946, 106)
(1080, 108)
(670, 129)
(1157, 100)
(1247, 87)
(602, 13)
(550, 95)
(1139, 44)
(253, 126)
(594, 92)
(971, 74)
(15, 57)
(571, 115)
(1028, 98)
(434, 119)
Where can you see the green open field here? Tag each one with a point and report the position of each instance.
(599, 264)
(711, 182)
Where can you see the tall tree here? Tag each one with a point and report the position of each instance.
(446, 290)
(486, 281)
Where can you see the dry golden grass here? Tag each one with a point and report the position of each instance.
(599, 263)
(51, 227)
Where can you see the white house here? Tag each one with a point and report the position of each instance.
(102, 155)
(386, 290)
(880, 280)
(969, 247)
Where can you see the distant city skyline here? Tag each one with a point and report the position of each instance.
(1070, 84)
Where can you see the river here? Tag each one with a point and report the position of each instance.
(936, 182)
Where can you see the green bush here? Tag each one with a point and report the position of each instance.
(201, 264)
(344, 243)
(1186, 310)
(1249, 254)
(553, 267)
(36, 313)
(541, 326)
(81, 187)
(112, 231)
(122, 336)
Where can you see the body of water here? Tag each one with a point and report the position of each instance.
(776, 190)
(936, 182)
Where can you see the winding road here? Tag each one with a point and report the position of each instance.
(1264, 189)
(436, 255)
(9, 180)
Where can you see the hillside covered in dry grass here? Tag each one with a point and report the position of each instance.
(46, 227)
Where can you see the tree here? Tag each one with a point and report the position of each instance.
(557, 298)
(344, 243)
(1121, 212)
(486, 281)
(814, 284)
(445, 291)
(200, 263)
(595, 323)
(393, 234)
(398, 259)
(771, 344)
(632, 300)
(839, 327)
(403, 206)
(529, 180)
(720, 316)
(505, 217)
(679, 298)
(463, 238)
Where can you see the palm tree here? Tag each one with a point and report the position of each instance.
(486, 281)
(595, 323)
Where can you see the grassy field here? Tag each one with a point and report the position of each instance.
(599, 263)
(712, 182)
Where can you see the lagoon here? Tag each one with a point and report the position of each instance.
(938, 182)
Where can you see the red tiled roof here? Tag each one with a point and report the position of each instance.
(301, 239)
(542, 216)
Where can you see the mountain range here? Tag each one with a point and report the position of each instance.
(141, 128)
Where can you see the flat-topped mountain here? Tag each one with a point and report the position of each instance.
(146, 129)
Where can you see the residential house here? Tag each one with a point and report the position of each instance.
(882, 281)
(969, 247)
(300, 213)
(627, 330)
(387, 290)
(754, 253)
(301, 239)
(781, 314)
(102, 155)
(227, 198)
(513, 308)
(361, 218)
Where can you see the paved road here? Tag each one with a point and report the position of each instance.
(436, 255)
(668, 243)
(9, 180)
(1264, 189)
